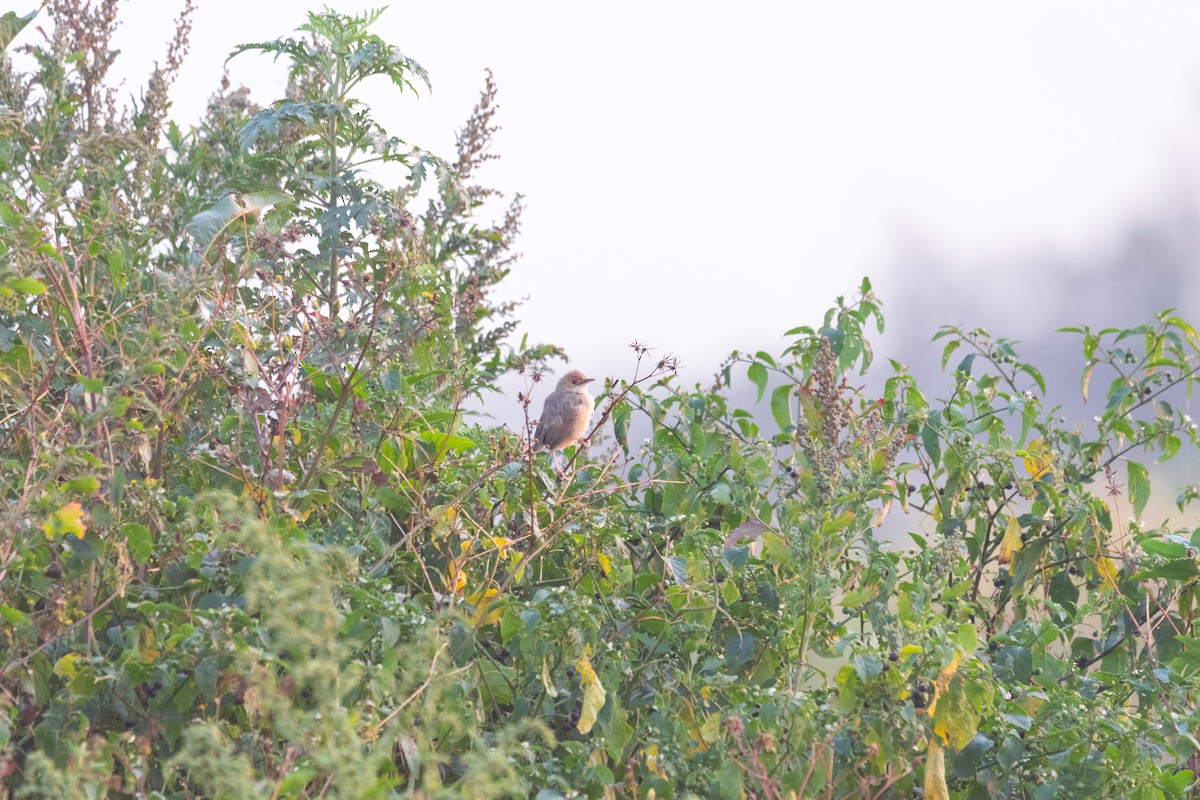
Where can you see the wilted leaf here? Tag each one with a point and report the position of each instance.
(67, 520)
(206, 226)
(593, 692)
(935, 772)
(1038, 457)
(1011, 542)
(547, 681)
(67, 666)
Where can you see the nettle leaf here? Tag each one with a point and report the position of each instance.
(268, 121)
(11, 24)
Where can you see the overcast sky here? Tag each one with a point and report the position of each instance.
(704, 176)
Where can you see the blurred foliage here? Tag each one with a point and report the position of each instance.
(254, 547)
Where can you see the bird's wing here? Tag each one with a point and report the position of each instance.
(551, 426)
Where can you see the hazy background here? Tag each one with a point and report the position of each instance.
(702, 178)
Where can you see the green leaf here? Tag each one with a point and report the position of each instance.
(781, 406)
(139, 540)
(933, 447)
(27, 286)
(447, 441)
(757, 374)
(857, 597)
(13, 617)
(11, 24)
(948, 351)
(1138, 481)
(967, 637)
(620, 417)
(1032, 372)
(87, 484)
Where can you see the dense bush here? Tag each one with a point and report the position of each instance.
(253, 546)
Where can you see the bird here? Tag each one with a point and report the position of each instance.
(565, 416)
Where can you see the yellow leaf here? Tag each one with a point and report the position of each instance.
(709, 731)
(605, 563)
(66, 666)
(547, 681)
(482, 601)
(67, 520)
(1039, 459)
(1031, 702)
(593, 692)
(935, 772)
(1108, 570)
(1011, 542)
(654, 763)
(457, 579)
(943, 681)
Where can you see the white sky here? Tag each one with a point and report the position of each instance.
(704, 176)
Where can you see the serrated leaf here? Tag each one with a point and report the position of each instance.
(11, 24)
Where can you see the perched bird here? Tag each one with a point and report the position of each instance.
(565, 416)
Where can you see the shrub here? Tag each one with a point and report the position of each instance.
(255, 546)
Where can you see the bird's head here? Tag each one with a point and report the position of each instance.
(573, 380)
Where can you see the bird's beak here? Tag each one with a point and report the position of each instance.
(589, 380)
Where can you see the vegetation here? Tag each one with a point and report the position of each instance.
(254, 547)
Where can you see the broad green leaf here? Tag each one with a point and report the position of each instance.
(139, 540)
(856, 597)
(757, 374)
(27, 286)
(781, 406)
(1138, 480)
(931, 444)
